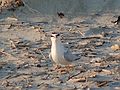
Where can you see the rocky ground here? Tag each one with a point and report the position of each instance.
(25, 47)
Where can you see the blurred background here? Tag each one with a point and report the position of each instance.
(74, 7)
(71, 8)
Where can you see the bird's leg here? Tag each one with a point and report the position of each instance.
(70, 67)
(57, 67)
(65, 69)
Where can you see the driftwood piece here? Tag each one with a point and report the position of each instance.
(10, 5)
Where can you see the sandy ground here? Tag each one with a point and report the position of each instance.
(25, 47)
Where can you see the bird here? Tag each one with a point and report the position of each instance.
(60, 14)
(59, 54)
(117, 21)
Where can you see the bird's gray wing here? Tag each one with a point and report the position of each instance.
(70, 57)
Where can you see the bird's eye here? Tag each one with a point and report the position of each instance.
(58, 35)
(52, 36)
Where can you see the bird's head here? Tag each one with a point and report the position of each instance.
(55, 37)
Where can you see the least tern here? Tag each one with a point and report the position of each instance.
(59, 54)
(117, 21)
(60, 14)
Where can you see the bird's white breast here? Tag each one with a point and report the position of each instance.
(57, 53)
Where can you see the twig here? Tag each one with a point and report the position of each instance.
(43, 54)
(31, 9)
(81, 33)
(12, 44)
(74, 75)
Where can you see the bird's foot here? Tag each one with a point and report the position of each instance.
(56, 67)
(69, 67)
(65, 69)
